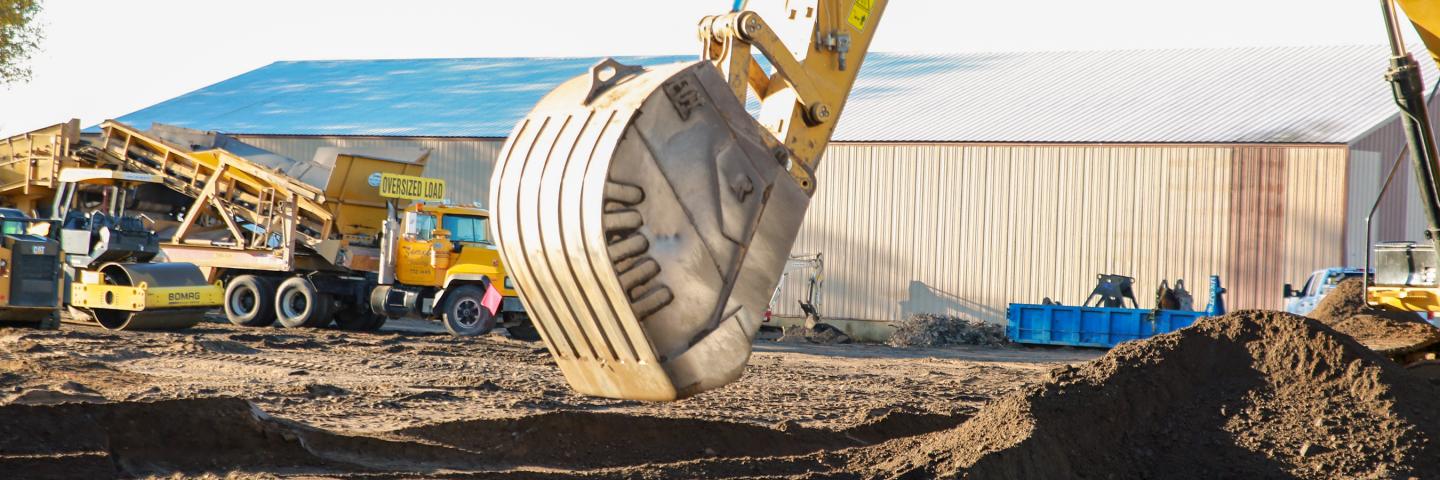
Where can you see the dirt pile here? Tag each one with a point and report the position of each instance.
(1247, 395)
(1392, 333)
(929, 330)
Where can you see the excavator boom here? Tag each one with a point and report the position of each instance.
(1405, 276)
(646, 215)
(1425, 15)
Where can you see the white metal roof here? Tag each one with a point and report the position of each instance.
(1328, 94)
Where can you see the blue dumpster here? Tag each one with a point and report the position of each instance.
(1090, 326)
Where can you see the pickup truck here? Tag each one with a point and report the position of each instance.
(1304, 300)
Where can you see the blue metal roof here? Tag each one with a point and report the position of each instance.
(1287, 94)
(473, 97)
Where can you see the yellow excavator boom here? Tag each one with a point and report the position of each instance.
(1404, 277)
(1425, 15)
(646, 216)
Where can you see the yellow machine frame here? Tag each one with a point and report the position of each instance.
(91, 292)
(30, 162)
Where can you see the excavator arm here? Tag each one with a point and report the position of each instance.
(1405, 274)
(646, 215)
(1425, 15)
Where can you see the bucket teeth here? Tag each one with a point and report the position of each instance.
(638, 274)
(627, 247)
(651, 302)
(622, 193)
(623, 221)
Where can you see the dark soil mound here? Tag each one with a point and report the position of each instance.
(222, 435)
(1344, 309)
(1247, 395)
(601, 439)
(139, 438)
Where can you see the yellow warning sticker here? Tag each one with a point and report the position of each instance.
(411, 188)
(860, 12)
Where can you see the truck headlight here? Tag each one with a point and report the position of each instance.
(506, 283)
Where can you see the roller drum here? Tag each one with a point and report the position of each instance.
(153, 275)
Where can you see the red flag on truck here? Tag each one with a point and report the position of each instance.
(491, 300)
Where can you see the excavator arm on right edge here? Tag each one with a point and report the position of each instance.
(645, 216)
(1406, 273)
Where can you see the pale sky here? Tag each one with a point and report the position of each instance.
(105, 58)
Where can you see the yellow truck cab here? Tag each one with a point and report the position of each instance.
(444, 260)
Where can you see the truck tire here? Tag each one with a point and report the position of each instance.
(522, 328)
(359, 318)
(51, 321)
(463, 315)
(250, 301)
(298, 304)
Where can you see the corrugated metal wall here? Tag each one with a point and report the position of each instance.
(967, 229)
(465, 163)
(1400, 217)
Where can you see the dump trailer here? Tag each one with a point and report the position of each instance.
(30, 164)
(300, 243)
(646, 216)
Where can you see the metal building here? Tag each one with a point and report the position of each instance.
(961, 183)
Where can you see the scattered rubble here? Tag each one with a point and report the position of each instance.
(821, 333)
(930, 330)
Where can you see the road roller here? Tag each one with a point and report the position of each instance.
(110, 278)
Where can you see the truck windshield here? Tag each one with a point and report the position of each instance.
(466, 228)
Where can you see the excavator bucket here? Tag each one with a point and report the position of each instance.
(645, 216)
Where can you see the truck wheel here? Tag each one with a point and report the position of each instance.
(522, 328)
(298, 304)
(359, 318)
(376, 321)
(51, 321)
(250, 301)
(463, 315)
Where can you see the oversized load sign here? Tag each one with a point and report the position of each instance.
(409, 187)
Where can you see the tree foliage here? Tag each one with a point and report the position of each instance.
(19, 38)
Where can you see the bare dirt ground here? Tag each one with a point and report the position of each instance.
(413, 401)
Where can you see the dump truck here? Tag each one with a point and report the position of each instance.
(646, 215)
(305, 244)
(441, 266)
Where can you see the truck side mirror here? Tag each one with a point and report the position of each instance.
(1289, 291)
